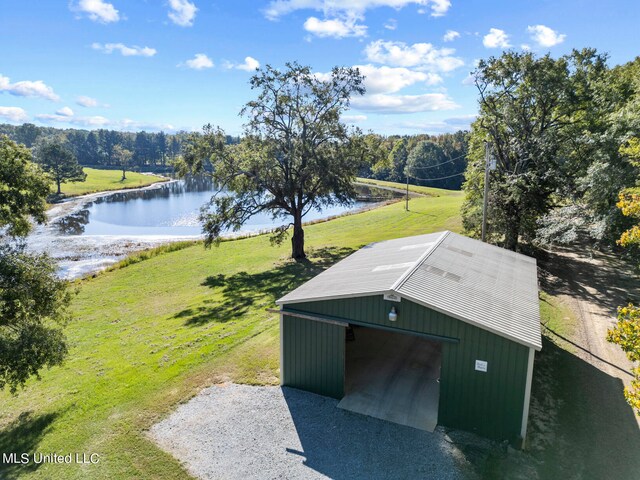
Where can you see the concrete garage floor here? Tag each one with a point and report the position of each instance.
(258, 433)
(393, 376)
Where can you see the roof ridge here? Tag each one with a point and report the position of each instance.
(403, 278)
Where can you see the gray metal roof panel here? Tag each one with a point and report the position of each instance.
(490, 287)
(373, 268)
(482, 284)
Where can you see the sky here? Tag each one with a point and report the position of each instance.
(178, 64)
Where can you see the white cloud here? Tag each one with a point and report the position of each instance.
(496, 38)
(451, 35)
(389, 79)
(421, 55)
(14, 114)
(335, 27)
(133, 125)
(97, 10)
(383, 103)
(65, 111)
(250, 64)
(85, 101)
(448, 125)
(545, 36)
(126, 51)
(469, 80)
(525, 47)
(103, 122)
(94, 121)
(278, 8)
(391, 24)
(199, 62)
(353, 118)
(182, 12)
(28, 88)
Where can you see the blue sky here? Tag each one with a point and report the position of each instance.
(178, 64)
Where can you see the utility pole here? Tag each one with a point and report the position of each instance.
(406, 204)
(485, 198)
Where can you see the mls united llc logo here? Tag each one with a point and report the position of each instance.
(37, 457)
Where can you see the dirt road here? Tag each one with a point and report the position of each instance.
(594, 287)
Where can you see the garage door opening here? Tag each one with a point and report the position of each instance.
(392, 376)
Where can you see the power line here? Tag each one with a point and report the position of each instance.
(434, 179)
(443, 163)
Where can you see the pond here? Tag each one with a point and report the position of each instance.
(89, 233)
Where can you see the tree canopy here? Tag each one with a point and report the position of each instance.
(296, 154)
(531, 110)
(58, 159)
(33, 301)
(24, 189)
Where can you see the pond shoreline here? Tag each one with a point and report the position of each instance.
(99, 248)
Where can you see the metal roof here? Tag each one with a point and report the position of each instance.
(481, 284)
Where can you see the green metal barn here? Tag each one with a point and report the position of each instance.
(425, 330)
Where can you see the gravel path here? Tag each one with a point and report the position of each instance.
(241, 432)
(593, 287)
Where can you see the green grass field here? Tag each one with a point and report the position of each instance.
(105, 180)
(152, 334)
(433, 192)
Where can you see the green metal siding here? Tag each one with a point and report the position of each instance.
(491, 403)
(313, 356)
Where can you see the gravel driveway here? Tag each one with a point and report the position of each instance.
(236, 431)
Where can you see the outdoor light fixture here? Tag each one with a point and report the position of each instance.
(393, 315)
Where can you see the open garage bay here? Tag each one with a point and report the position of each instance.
(392, 376)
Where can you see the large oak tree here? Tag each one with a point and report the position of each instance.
(531, 111)
(296, 154)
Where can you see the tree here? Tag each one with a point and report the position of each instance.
(426, 160)
(24, 189)
(57, 159)
(33, 301)
(398, 161)
(626, 333)
(123, 156)
(33, 307)
(295, 156)
(529, 107)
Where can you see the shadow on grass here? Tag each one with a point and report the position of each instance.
(243, 290)
(580, 424)
(23, 435)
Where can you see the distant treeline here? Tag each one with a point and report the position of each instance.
(95, 148)
(429, 160)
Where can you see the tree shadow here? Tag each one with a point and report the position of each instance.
(608, 282)
(242, 291)
(23, 435)
(580, 424)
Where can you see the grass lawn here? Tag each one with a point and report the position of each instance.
(104, 180)
(151, 335)
(433, 192)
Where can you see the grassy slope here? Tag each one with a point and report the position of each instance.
(104, 180)
(434, 192)
(152, 334)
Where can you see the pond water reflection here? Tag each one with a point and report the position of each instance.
(90, 233)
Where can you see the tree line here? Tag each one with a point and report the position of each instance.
(428, 160)
(103, 148)
(557, 130)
